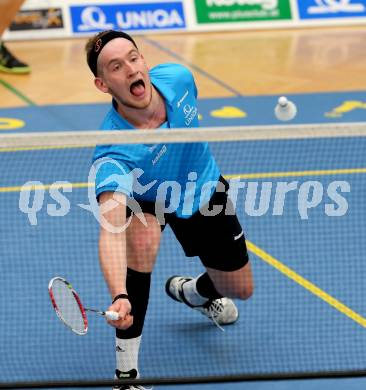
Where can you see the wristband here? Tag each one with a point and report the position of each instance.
(119, 296)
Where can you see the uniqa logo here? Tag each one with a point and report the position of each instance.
(94, 18)
(265, 4)
(190, 113)
(148, 19)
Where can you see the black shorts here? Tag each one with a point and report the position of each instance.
(217, 240)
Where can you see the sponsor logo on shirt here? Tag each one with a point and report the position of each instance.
(161, 152)
(190, 112)
(181, 100)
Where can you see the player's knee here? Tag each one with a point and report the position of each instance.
(143, 240)
(246, 291)
(141, 243)
(239, 291)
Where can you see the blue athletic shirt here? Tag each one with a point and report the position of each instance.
(182, 176)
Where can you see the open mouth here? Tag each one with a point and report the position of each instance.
(137, 88)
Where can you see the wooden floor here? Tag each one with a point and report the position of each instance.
(249, 62)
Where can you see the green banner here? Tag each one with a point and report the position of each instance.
(226, 11)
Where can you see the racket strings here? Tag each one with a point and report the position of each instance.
(68, 307)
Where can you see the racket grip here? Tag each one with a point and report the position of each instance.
(112, 315)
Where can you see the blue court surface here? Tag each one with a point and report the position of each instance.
(308, 312)
(231, 111)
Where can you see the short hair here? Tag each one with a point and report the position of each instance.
(95, 45)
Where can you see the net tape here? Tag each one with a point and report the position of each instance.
(209, 134)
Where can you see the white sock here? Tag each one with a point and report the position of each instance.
(127, 351)
(191, 294)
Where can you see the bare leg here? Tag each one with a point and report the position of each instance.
(234, 284)
(8, 10)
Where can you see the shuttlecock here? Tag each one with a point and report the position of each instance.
(285, 110)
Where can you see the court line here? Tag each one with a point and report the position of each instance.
(348, 171)
(16, 92)
(44, 187)
(306, 284)
(322, 172)
(193, 66)
(35, 148)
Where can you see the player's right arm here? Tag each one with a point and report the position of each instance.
(113, 253)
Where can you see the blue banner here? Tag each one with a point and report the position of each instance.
(325, 9)
(127, 17)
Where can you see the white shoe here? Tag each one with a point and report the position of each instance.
(127, 375)
(221, 311)
(128, 387)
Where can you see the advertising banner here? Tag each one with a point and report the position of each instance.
(230, 11)
(321, 9)
(127, 17)
(37, 19)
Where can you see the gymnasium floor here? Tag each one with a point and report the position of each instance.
(308, 309)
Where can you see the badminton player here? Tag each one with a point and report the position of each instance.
(161, 97)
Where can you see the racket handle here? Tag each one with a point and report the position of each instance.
(112, 315)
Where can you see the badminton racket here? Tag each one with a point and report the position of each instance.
(69, 308)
